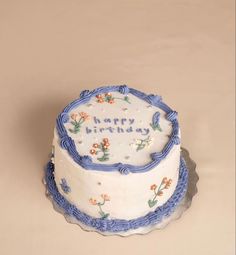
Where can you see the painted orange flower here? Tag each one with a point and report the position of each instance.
(164, 180)
(74, 116)
(105, 197)
(84, 115)
(160, 193)
(92, 151)
(153, 187)
(95, 145)
(99, 96)
(105, 140)
(168, 183)
(106, 145)
(102, 148)
(93, 201)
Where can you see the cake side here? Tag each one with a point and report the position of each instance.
(121, 196)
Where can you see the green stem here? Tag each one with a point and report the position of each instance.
(121, 99)
(100, 206)
(156, 193)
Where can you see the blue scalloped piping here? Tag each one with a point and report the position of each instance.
(119, 225)
(86, 161)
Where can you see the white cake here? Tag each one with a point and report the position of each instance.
(117, 160)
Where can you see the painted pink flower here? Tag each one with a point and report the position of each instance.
(84, 115)
(93, 201)
(105, 197)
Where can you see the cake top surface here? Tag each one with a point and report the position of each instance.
(118, 128)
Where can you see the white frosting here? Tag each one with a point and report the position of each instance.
(128, 194)
(122, 145)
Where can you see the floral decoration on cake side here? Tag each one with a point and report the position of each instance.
(77, 120)
(158, 191)
(107, 97)
(103, 148)
(105, 198)
(64, 186)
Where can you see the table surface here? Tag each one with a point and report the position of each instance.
(51, 50)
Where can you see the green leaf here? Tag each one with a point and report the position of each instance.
(105, 215)
(151, 203)
(159, 128)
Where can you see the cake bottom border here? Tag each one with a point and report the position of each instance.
(173, 209)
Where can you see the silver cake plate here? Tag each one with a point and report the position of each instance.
(182, 207)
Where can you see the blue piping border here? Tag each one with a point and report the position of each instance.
(86, 161)
(119, 225)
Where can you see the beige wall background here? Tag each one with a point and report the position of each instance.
(51, 50)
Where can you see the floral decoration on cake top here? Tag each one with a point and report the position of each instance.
(102, 148)
(109, 98)
(156, 122)
(140, 144)
(77, 120)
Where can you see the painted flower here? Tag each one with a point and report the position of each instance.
(77, 123)
(105, 140)
(100, 204)
(105, 197)
(156, 122)
(164, 180)
(158, 191)
(84, 115)
(153, 187)
(93, 201)
(92, 151)
(64, 186)
(103, 147)
(95, 145)
(168, 183)
(108, 97)
(142, 143)
(74, 116)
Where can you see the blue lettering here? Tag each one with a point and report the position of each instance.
(120, 130)
(129, 130)
(146, 131)
(123, 121)
(88, 130)
(131, 121)
(96, 120)
(107, 120)
(115, 121)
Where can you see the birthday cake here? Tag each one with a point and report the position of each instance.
(116, 163)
